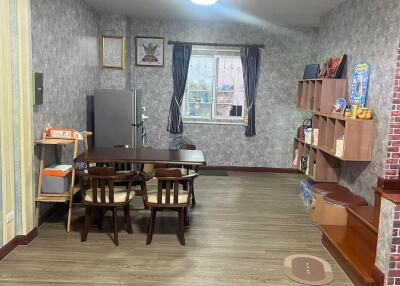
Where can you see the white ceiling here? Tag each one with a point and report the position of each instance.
(287, 13)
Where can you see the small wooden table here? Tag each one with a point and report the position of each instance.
(143, 156)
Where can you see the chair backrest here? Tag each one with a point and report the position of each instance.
(169, 186)
(187, 147)
(122, 166)
(102, 181)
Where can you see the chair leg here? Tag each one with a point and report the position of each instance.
(128, 220)
(143, 189)
(181, 235)
(114, 210)
(193, 197)
(152, 223)
(88, 221)
(186, 217)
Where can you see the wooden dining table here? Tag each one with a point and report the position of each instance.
(144, 156)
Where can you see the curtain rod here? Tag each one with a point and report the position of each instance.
(218, 44)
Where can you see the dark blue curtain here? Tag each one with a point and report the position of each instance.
(180, 66)
(251, 58)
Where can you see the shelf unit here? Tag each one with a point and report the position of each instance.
(67, 196)
(318, 97)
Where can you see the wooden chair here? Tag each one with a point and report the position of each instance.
(189, 169)
(104, 195)
(169, 198)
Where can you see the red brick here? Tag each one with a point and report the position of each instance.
(392, 161)
(390, 281)
(396, 130)
(395, 155)
(394, 273)
(393, 149)
(397, 265)
(394, 143)
(397, 208)
(390, 173)
(394, 137)
(394, 125)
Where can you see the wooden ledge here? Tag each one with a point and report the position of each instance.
(350, 251)
(394, 198)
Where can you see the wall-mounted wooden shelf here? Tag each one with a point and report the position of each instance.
(318, 97)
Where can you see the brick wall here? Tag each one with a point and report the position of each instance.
(393, 149)
(393, 277)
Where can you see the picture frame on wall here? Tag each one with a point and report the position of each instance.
(112, 52)
(149, 51)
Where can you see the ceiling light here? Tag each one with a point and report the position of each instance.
(204, 2)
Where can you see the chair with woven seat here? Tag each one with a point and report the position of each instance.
(170, 197)
(104, 195)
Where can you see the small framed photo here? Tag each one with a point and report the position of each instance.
(149, 51)
(112, 52)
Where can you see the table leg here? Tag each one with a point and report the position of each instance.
(186, 217)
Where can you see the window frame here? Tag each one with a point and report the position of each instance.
(214, 118)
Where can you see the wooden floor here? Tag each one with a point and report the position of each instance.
(241, 230)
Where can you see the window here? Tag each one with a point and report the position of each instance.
(214, 88)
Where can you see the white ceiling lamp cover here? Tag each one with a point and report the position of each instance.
(204, 2)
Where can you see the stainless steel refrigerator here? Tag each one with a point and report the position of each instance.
(117, 117)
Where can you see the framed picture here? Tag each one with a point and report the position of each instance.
(112, 52)
(150, 51)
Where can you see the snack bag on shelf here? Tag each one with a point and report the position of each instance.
(62, 133)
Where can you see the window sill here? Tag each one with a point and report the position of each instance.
(213, 122)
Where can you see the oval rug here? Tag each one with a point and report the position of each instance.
(308, 270)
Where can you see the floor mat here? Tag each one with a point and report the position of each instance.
(308, 270)
(213, 173)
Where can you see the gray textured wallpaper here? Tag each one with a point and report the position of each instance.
(283, 60)
(367, 31)
(114, 25)
(65, 48)
(384, 244)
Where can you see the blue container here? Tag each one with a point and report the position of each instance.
(305, 192)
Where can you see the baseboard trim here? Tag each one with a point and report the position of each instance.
(16, 241)
(251, 169)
